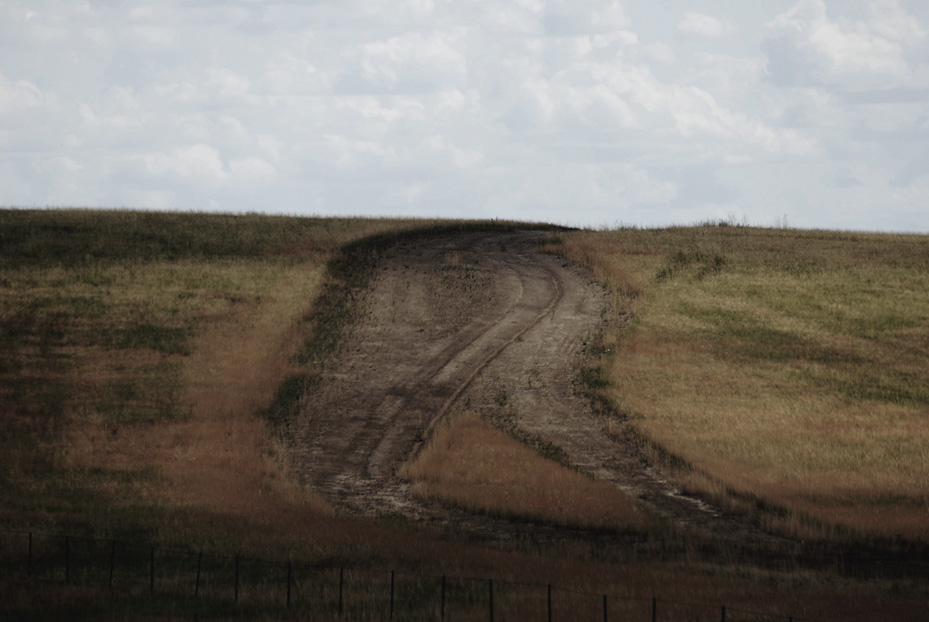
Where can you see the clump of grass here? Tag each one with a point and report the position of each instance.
(783, 364)
(470, 464)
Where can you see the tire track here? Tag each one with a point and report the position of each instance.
(379, 404)
(443, 412)
(500, 319)
(462, 319)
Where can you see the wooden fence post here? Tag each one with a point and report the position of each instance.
(549, 602)
(391, 595)
(341, 583)
(197, 580)
(112, 562)
(236, 578)
(288, 584)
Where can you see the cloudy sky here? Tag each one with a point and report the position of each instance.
(813, 113)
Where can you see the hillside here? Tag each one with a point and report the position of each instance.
(772, 379)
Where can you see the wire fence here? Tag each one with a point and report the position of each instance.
(322, 590)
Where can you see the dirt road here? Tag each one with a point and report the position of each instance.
(479, 321)
(439, 318)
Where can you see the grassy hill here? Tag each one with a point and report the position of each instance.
(785, 372)
(781, 373)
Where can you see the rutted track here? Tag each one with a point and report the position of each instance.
(436, 316)
(481, 321)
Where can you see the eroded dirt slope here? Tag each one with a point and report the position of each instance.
(438, 314)
(480, 321)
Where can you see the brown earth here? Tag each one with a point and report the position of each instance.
(488, 323)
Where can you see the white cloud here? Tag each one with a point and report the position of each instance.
(290, 75)
(438, 146)
(726, 76)
(661, 52)
(583, 17)
(578, 111)
(250, 170)
(703, 25)
(414, 62)
(805, 46)
(227, 84)
(190, 163)
(890, 20)
(353, 153)
(19, 95)
(155, 35)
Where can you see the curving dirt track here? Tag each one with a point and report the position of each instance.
(486, 322)
(439, 318)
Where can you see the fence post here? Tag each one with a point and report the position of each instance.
(236, 578)
(112, 561)
(67, 560)
(490, 584)
(391, 595)
(549, 602)
(288, 584)
(197, 580)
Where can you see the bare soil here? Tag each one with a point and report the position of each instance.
(482, 322)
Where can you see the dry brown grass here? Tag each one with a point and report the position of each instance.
(160, 338)
(220, 460)
(470, 464)
(176, 332)
(786, 365)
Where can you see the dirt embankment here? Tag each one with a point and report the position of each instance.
(480, 321)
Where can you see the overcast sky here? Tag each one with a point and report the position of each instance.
(812, 113)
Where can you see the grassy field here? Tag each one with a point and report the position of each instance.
(787, 371)
(469, 463)
(135, 351)
(142, 355)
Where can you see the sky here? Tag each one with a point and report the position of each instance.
(799, 113)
